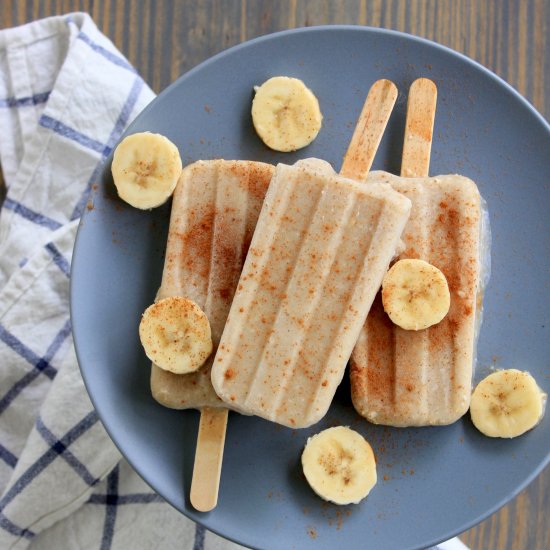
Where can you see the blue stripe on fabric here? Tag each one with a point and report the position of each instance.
(13, 529)
(28, 101)
(118, 128)
(59, 260)
(47, 458)
(23, 382)
(114, 58)
(7, 456)
(107, 54)
(111, 500)
(126, 111)
(61, 449)
(58, 340)
(16, 345)
(58, 127)
(135, 498)
(31, 215)
(40, 364)
(200, 532)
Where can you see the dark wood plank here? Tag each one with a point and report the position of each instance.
(166, 38)
(171, 36)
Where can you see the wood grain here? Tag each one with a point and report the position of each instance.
(169, 36)
(165, 38)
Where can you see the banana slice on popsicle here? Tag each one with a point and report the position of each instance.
(339, 465)
(146, 168)
(286, 114)
(507, 403)
(415, 294)
(175, 334)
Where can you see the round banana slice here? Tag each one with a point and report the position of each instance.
(146, 168)
(507, 403)
(415, 294)
(339, 465)
(286, 114)
(175, 334)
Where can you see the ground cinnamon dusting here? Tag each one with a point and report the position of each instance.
(225, 294)
(311, 531)
(196, 244)
(257, 180)
(376, 380)
(229, 373)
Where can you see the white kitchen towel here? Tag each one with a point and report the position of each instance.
(66, 95)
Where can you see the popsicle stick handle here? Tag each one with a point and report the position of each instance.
(419, 129)
(208, 459)
(369, 130)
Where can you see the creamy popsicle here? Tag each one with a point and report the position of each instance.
(215, 208)
(214, 211)
(416, 378)
(320, 249)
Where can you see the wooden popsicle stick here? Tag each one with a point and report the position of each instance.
(356, 165)
(208, 458)
(419, 128)
(369, 130)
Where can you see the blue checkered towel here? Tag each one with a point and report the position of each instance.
(66, 94)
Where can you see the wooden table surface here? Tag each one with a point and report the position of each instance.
(164, 39)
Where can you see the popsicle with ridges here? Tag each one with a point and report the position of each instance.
(215, 208)
(416, 378)
(321, 246)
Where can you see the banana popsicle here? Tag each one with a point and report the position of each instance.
(215, 208)
(423, 377)
(320, 249)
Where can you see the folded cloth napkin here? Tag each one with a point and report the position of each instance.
(66, 95)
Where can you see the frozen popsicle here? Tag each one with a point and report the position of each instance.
(320, 249)
(215, 208)
(416, 378)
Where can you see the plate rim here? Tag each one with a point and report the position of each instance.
(354, 28)
(503, 84)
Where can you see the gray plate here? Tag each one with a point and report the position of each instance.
(433, 482)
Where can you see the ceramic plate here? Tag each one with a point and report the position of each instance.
(433, 482)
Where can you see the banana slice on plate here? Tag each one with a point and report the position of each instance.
(175, 334)
(286, 114)
(507, 403)
(415, 294)
(146, 168)
(339, 465)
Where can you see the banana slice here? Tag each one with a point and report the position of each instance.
(146, 168)
(286, 114)
(415, 294)
(507, 403)
(339, 465)
(175, 334)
